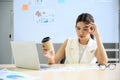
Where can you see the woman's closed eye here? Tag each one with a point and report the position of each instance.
(85, 29)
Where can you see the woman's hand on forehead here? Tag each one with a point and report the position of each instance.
(86, 27)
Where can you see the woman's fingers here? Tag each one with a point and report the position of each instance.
(49, 54)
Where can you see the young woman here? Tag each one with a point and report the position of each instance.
(84, 49)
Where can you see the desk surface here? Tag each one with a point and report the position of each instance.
(88, 74)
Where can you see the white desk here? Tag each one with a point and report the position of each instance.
(70, 75)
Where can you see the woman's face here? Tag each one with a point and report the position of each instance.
(82, 31)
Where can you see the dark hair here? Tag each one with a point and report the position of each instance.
(86, 18)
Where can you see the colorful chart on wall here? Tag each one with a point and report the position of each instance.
(36, 19)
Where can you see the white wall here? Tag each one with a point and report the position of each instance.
(59, 18)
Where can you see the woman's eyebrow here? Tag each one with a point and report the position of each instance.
(78, 26)
(86, 27)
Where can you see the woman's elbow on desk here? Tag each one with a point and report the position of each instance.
(103, 61)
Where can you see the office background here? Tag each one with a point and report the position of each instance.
(7, 33)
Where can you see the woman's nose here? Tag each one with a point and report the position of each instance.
(81, 31)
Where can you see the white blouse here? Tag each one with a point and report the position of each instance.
(77, 53)
(81, 50)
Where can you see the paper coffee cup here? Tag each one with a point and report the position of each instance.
(47, 44)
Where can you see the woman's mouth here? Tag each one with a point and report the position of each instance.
(81, 36)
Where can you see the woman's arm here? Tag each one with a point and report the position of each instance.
(101, 54)
(60, 54)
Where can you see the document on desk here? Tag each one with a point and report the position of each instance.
(6, 74)
(71, 68)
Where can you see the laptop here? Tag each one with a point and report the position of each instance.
(25, 55)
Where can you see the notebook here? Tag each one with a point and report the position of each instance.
(25, 55)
